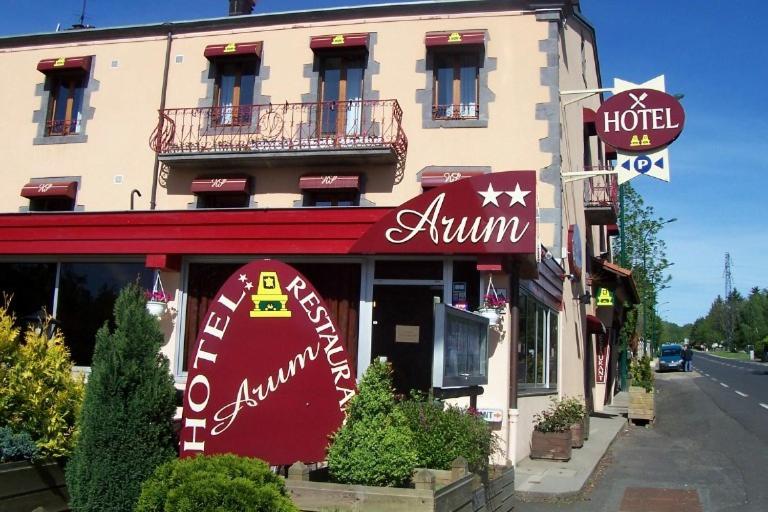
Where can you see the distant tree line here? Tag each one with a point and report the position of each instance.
(749, 317)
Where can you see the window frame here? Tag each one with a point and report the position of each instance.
(74, 108)
(348, 59)
(241, 114)
(546, 320)
(456, 55)
(333, 195)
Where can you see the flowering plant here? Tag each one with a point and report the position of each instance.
(493, 301)
(157, 296)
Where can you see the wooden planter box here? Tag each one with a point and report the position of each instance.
(466, 494)
(25, 486)
(551, 445)
(642, 404)
(578, 434)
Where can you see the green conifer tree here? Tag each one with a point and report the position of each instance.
(125, 427)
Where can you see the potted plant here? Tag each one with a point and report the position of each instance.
(493, 308)
(641, 395)
(552, 437)
(157, 302)
(574, 409)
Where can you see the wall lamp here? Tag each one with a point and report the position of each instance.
(584, 299)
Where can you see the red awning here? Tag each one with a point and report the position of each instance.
(435, 178)
(461, 37)
(595, 325)
(613, 229)
(589, 116)
(339, 41)
(329, 181)
(50, 189)
(213, 51)
(82, 64)
(610, 152)
(219, 185)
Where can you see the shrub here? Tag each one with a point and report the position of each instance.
(375, 445)
(221, 483)
(39, 395)
(16, 446)
(126, 421)
(443, 433)
(641, 374)
(555, 419)
(573, 408)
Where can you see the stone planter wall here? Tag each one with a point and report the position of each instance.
(551, 445)
(25, 486)
(642, 404)
(435, 491)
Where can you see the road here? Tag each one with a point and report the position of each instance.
(707, 451)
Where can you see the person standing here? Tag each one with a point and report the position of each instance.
(687, 358)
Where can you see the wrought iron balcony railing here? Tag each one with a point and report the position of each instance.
(290, 127)
(601, 191)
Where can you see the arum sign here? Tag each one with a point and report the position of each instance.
(269, 376)
(489, 213)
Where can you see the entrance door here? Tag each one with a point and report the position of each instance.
(403, 324)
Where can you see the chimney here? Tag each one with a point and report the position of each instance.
(241, 7)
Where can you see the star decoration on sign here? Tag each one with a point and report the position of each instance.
(248, 286)
(490, 196)
(517, 196)
(243, 278)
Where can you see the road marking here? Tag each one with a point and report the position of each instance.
(741, 394)
(714, 379)
(724, 384)
(763, 406)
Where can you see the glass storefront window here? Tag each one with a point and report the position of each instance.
(29, 286)
(537, 348)
(86, 299)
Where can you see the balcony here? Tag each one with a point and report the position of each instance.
(357, 132)
(601, 197)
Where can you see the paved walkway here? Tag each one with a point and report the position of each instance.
(562, 479)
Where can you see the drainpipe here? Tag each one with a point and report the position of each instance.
(156, 170)
(514, 332)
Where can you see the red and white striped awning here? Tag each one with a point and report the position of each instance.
(220, 185)
(329, 181)
(50, 189)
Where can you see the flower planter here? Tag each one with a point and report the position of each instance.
(577, 434)
(156, 308)
(436, 491)
(25, 486)
(551, 445)
(642, 404)
(491, 314)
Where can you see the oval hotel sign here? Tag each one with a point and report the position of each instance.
(640, 120)
(268, 374)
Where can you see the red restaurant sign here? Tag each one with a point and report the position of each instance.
(490, 213)
(640, 120)
(268, 375)
(603, 354)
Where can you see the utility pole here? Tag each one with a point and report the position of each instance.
(727, 274)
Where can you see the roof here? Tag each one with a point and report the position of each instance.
(287, 17)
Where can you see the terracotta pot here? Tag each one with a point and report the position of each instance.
(577, 434)
(551, 445)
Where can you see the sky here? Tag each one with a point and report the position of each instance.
(711, 51)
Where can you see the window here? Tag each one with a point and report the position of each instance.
(341, 94)
(537, 348)
(65, 104)
(233, 94)
(456, 85)
(335, 197)
(81, 296)
(223, 200)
